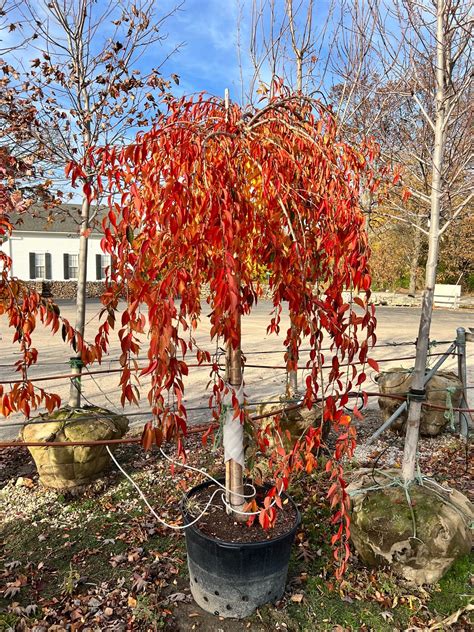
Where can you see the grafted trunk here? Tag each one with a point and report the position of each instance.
(233, 438)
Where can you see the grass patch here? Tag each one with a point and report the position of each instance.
(322, 609)
(102, 556)
(455, 589)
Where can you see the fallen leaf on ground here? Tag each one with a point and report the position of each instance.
(297, 598)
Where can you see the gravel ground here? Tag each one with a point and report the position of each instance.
(388, 449)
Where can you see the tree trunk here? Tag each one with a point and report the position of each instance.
(233, 434)
(414, 410)
(76, 363)
(292, 378)
(415, 258)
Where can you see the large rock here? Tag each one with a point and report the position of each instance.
(419, 542)
(72, 466)
(398, 382)
(294, 421)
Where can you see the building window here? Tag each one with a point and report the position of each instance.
(71, 263)
(40, 265)
(73, 266)
(102, 262)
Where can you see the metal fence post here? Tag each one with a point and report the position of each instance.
(462, 374)
(461, 345)
(401, 409)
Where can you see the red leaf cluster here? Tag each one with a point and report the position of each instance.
(204, 197)
(24, 307)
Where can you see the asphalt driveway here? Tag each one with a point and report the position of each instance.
(395, 324)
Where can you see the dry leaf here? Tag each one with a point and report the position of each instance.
(453, 618)
(297, 597)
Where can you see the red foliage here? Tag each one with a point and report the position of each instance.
(204, 197)
(23, 306)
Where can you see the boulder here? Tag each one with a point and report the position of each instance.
(66, 467)
(397, 381)
(419, 542)
(295, 421)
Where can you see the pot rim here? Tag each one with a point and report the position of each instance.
(235, 545)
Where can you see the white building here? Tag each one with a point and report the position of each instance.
(41, 249)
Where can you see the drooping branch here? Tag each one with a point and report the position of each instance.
(208, 194)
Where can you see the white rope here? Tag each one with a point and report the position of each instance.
(211, 478)
(223, 487)
(220, 487)
(145, 500)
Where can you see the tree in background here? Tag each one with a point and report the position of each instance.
(306, 44)
(312, 46)
(402, 72)
(457, 253)
(434, 69)
(22, 183)
(84, 88)
(390, 245)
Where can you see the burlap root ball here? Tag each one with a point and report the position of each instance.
(72, 466)
(418, 546)
(295, 421)
(397, 381)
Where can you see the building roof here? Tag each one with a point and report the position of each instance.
(65, 218)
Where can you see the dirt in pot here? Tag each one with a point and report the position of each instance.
(217, 523)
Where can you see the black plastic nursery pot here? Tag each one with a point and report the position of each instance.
(232, 579)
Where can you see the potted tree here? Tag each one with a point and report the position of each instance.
(197, 201)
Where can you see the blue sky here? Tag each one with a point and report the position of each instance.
(208, 59)
(210, 31)
(207, 30)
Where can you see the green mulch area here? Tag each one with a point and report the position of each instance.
(100, 561)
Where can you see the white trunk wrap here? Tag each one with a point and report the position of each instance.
(233, 432)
